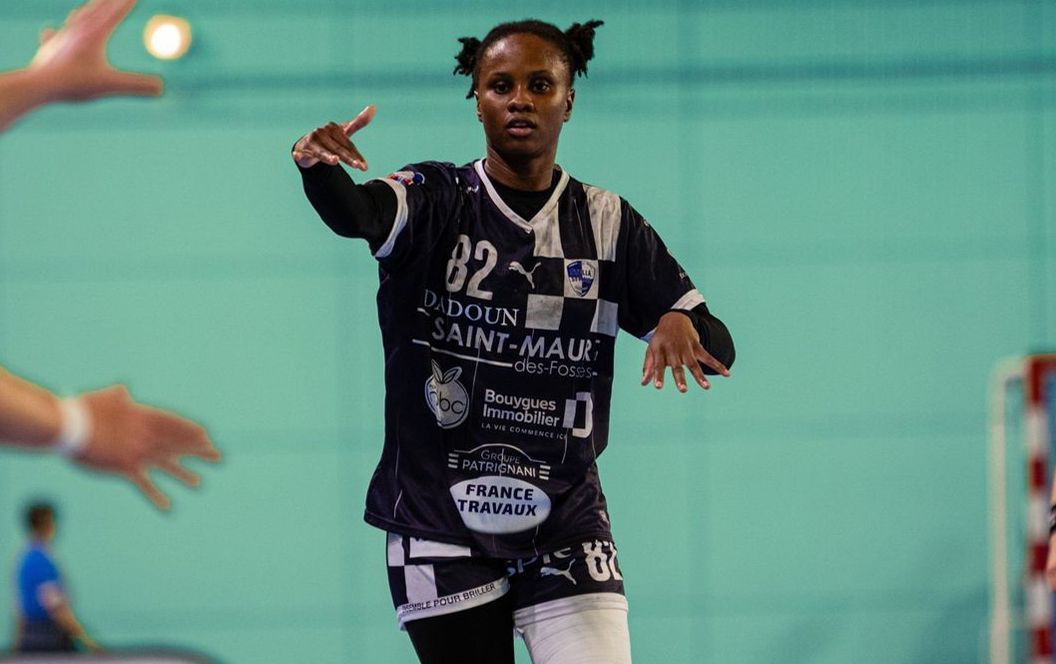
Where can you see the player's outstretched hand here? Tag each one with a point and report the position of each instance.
(71, 63)
(676, 344)
(331, 143)
(130, 439)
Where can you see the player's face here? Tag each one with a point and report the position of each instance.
(523, 96)
(46, 531)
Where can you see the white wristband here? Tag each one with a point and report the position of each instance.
(76, 427)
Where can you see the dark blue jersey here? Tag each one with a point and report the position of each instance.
(499, 335)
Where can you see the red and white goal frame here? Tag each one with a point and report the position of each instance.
(1021, 619)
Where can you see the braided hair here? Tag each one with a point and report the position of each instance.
(576, 45)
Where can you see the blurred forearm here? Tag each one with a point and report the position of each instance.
(29, 414)
(20, 93)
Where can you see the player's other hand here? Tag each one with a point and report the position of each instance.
(130, 439)
(676, 344)
(71, 63)
(331, 143)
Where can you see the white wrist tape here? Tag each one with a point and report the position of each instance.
(76, 427)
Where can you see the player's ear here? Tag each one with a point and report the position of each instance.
(569, 101)
(477, 98)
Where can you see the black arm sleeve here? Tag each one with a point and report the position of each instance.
(714, 336)
(366, 211)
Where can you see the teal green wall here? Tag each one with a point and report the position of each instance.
(864, 191)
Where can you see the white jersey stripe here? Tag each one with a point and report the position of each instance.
(604, 208)
(423, 548)
(691, 299)
(548, 236)
(544, 312)
(394, 550)
(606, 320)
(421, 582)
(401, 217)
(544, 215)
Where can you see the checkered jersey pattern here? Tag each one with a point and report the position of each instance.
(499, 337)
(572, 277)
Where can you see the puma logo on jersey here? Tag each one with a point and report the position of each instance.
(518, 268)
(554, 571)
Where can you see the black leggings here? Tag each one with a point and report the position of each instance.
(481, 635)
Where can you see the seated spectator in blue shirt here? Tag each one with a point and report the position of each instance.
(46, 621)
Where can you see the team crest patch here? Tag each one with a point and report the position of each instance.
(581, 276)
(407, 178)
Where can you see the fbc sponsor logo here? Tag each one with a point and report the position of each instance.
(446, 397)
(499, 505)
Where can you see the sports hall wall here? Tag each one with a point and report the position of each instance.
(864, 191)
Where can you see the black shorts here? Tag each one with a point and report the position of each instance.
(45, 636)
(429, 578)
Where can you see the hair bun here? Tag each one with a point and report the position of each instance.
(467, 57)
(581, 38)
